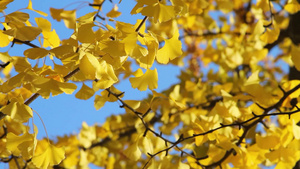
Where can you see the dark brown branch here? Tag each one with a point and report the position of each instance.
(24, 42)
(4, 64)
(140, 25)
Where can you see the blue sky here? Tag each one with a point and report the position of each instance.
(64, 114)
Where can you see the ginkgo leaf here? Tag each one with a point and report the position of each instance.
(43, 23)
(147, 61)
(114, 12)
(133, 152)
(14, 142)
(17, 111)
(147, 80)
(160, 12)
(88, 66)
(253, 79)
(182, 165)
(62, 51)
(37, 11)
(132, 48)
(24, 33)
(171, 49)
(85, 33)
(113, 48)
(87, 134)
(4, 57)
(17, 17)
(296, 130)
(146, 145)
(258, 29)
(4, 39)
(267, 142)
(21, 64)
(87, 18)
(271, 35)
(51, 39)
(85, 92)
(4, 3)
(36, 53)
(51, 156)
(99, 102)
(45, 86)
(106, 76)
(292, 6)
(69, 17)
(196, 7)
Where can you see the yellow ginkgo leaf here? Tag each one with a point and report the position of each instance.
(4, 57)
(51, 156)
(37, 11)
(114, 12)
(292, 6)
(62, 51)
(13, 142)
(17, 110)
(69, 17)
(152, 45)
(43, 23)
(113, 48)
(267, 142)
(45, 86)
(3, 4)
(133, 152)
(51, 39)
(106, 76)
(132, 48)
(160, 12)
(146, 145)
(36, 53)
(271, 35)
(253, 79)
(17, 17)
(296, 130)
(149, 79)
(171, 49)
(87, 18)
(85, 92)
(85, 33)
(4, 39)
(88, 66)
(99, 102)
(24, 33)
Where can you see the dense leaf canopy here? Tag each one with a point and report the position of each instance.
(242, 113)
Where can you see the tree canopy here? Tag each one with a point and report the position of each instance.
(242, 113)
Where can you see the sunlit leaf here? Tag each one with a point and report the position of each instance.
(147, 80)
(52, 155)
(45, 86)
(4, 3)
(133, 152)
(170, 50)
(36, 53)
(4, 39)
(37, 11)
(17, 111)
(24, 33)
(85, 92)
(85, 33)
